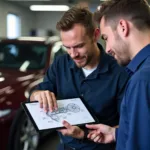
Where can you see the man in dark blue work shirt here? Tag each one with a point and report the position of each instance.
(125, 26)
(85, 71)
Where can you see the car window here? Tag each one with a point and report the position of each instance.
(22, 56)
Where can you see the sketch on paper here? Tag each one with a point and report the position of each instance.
(71, 110)
(63, 110)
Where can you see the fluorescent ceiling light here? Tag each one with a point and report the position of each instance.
(49, 7)
(31, 39)
(29, 0)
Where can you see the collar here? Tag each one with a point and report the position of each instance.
(103, 64)
(135, 63)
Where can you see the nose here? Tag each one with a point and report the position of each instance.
(108, 50)
(73, 52)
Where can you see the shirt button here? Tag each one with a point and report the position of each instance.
(82, 95)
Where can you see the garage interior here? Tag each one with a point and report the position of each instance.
(22, 19)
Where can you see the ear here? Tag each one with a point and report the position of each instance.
(96, 34)
(123, 28)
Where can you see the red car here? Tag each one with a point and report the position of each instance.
(23, 62)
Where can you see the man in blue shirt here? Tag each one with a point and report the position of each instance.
(85, 71)
(125, 26)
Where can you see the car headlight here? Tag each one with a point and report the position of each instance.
(4, 112)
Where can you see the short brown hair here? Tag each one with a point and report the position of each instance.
(136, 11)
(77, 15)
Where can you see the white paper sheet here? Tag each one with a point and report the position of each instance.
(71, 110)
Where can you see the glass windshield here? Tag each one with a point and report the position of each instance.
(22, 56)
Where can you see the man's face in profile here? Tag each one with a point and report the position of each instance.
(115, 45)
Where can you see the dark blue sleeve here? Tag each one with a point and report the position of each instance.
(137, 100)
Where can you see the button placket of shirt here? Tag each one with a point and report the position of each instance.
(81, 78)
(81, 91)
(85, 88)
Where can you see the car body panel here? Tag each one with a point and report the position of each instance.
(15, 84)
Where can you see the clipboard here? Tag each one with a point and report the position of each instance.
(74, 110)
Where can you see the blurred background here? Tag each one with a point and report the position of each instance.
(29, 19)
(29, 42)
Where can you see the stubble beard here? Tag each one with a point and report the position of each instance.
(122, 46)
(85, 63)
